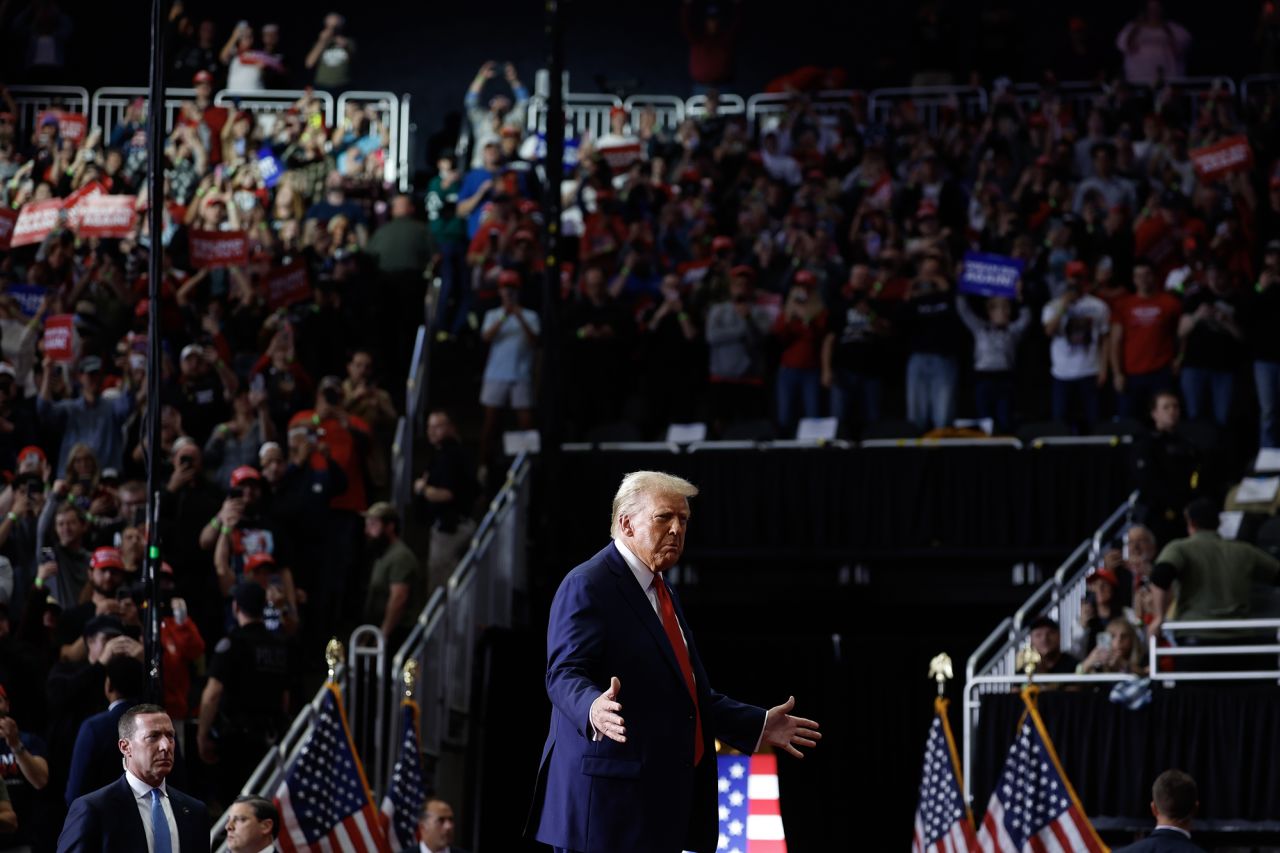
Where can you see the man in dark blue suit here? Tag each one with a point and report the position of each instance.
(95, 761)
(1174, 800)
(138, 812)
(435, 829)
(643, 779)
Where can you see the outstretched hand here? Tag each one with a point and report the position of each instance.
(783, 731)
(605, 713)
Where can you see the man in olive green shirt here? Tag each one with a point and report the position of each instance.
(1215, 576)
(396, 580)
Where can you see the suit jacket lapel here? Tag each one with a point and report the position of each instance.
(132, 818)
(639, 603)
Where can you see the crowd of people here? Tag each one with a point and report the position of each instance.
(712, 271)
(273, 458)
(814, 265)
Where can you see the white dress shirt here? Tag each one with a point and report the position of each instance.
(142, 795)
(647, 579)
(423, 848)
(1174, 829)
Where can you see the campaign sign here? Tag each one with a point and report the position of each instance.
(27, 297)
(287, 285)
(219, 248)
(620, 157)
(36, 220)
(990, 275)
(107, 216)
(73, 126)
(269, 168)
(8, 218)
(1230, 155)
(60, 338)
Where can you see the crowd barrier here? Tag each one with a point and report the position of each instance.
(992, 668)
(588, 112)
(105, 108)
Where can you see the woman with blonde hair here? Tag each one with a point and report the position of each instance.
(1122, 651)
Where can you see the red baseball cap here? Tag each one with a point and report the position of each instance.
(1077, 269)
(243, 474)
(804, 278)
(721, 243)
(106, 558)
(508, 278)
(202, 77)
(1103, 574)
(31, 450)
(260, 560)
(743, 270)
(926, 210)
(166, 569)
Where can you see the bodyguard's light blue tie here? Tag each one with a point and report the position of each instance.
(160, 824)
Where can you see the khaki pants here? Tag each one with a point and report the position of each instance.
(446, 550)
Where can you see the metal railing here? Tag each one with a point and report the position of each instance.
(409, 425)
(32, 100)
(106, 107)
(266, 777)
(992, 668)
(1249, 628)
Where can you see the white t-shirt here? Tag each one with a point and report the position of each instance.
(244, 74)
(1076, 351)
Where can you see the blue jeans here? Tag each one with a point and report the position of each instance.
(798, 382)
(1203, 388)
(931, 390)
(1083, 392)
(1266, 375)
(993, 398)
(855, 397)
(1139, 389)
(455, 285)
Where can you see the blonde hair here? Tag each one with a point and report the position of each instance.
(640, 484)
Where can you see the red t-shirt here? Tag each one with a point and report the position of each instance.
(344, 451)
(801, 341)
(1150, 325)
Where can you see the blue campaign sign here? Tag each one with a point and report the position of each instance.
(990, 275)
(27, 296)
(269, 168)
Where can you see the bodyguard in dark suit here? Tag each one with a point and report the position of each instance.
(253, 825)
(95, 761)
(139, 812)
(435, 829)
(629, 762)
(1174, 800)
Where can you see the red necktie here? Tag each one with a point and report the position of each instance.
(672, 627)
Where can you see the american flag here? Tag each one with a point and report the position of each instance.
(1034, 807)
(943, 823)
(324, 800)
(750, 820)
(407, 792)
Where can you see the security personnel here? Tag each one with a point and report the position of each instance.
(245, 703)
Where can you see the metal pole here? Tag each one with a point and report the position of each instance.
(554, 166)
(155, 268)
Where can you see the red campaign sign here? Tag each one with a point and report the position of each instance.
(60, 338)
(8, 218)
(71, 204)
(107, 216)
(73, 126)
(1230, 155)
(36, 220)
(219, 248)
(620, 157)
(287, 285)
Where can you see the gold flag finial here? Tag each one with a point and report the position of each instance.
(1028, 660)
(410, 677)
(940, 671)
(333, 655)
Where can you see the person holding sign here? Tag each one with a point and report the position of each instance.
(995, 352)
